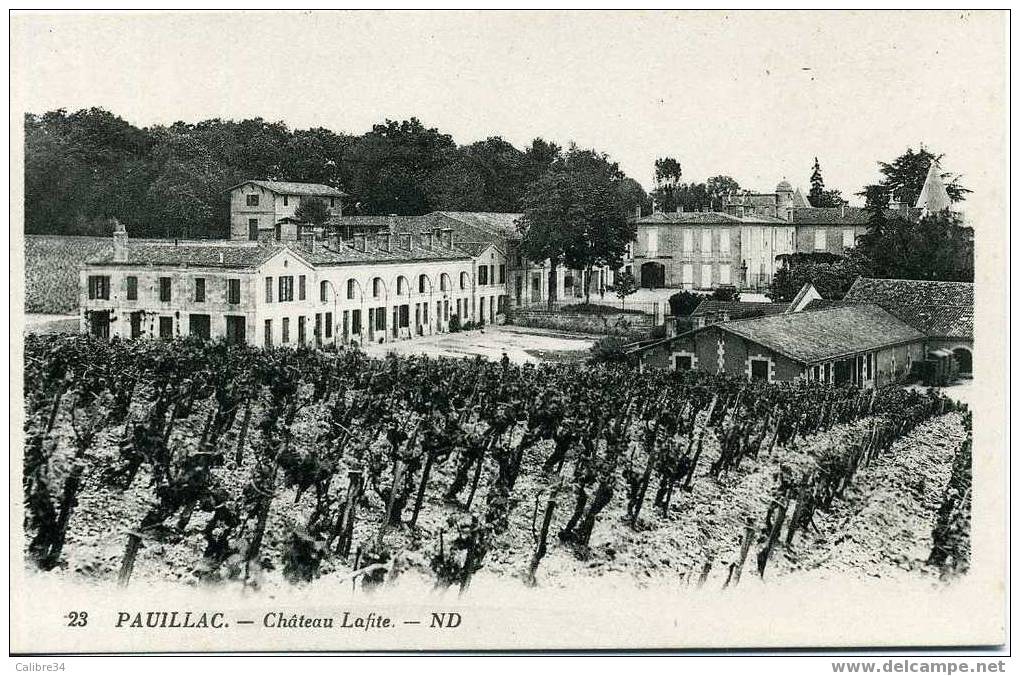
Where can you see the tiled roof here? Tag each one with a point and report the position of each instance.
(473, 248)
(495, 223)
(191, 253)
(811, 337)
(688, 217)
(290, 188)
(736, 309)
(467, 226)
(942, 309)
(323, 255)
(837, 215)
(824, 304)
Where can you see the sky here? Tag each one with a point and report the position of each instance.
(755, 95)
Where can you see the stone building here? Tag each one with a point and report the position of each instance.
(266, 209)
(862, 344)
(371, 288)
(942, 311)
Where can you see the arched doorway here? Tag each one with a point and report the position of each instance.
(653, 275)
(964, 360)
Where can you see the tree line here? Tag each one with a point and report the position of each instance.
(85, 167)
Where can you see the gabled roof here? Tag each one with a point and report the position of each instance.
(290, 188)
(824, 335)
(736, 309)
(191, 253)
(939, 309)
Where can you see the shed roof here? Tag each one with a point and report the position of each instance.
(811, 337)
(736, 309)
(939, 309)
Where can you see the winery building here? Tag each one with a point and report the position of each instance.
(311, 292)
(859, 344)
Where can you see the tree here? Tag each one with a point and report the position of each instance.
(626, 285)
(718, 186)
(936, 246)
(818, 196)
(725, 293)
(577, 215)
(903, 178)
(667, 183)
(683, 303)
(312, 210)
(831, 275)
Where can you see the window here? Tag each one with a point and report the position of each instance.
(377, 287)
(136, 324)
(268, 337)
(323, 288)
(233, 291)
(759, 369)
(132, 288)
(828, 373)
(404, 315)
(683, 362)
(350, 289)
(724, 273)
(332, 202)
(848, 238)
(817, 372)
(285, 200)
(492, 274)
(401, 285)
(99, 287)
(652, 241)
(269, 289)
(380, 319)
(483, 275)
(166, 327)
(688, 275)
(463, 280)
(502, 273)
(724, 241)
(444, 282)
(253, 229)
(200, 289)
(820, 239)
(285, 328)
(868, 365)
(164, 289)
(706, 240)
(422, 279)
(356, 321)
(706, 276)
(688, 240)
(301, 287)
(329, 324)
(198, 326)
(286, 292)
(301, 330)
(252, 200)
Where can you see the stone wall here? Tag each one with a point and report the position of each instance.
(625, 325)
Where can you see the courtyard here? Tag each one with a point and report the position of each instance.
(522, 345)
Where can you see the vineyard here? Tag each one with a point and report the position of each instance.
(212, 464)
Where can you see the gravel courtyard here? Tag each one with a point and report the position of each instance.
(522, 345)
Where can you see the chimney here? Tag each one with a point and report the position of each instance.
(310, 242)
(120, 242)
(842, 211)
(448, 238)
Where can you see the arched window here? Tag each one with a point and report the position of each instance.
(463, 280)
(350, 289)
(444, 282)
(401, 286)
(377, 287)
(422, 282)
(323, 291)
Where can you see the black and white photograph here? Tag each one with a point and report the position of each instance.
(523, 330)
